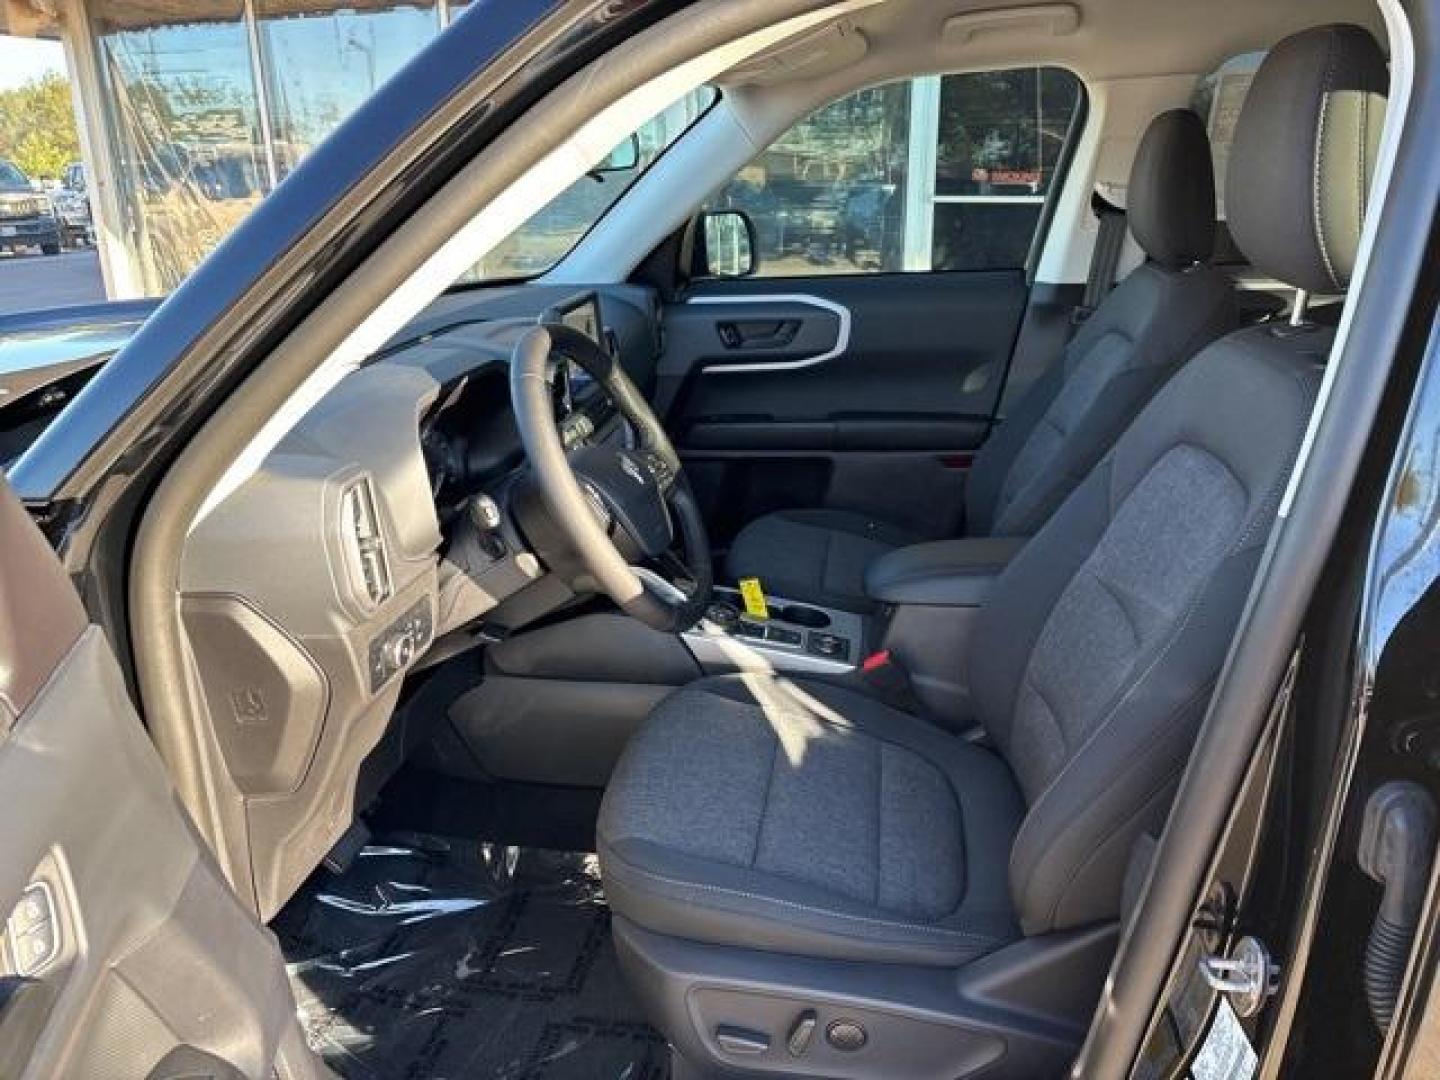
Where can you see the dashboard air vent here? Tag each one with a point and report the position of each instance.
(364, 542)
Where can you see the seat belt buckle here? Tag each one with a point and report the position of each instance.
(876, 661)
(883, 674)
(887, 680)
(1080, 313)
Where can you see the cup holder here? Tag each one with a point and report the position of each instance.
(800, 615)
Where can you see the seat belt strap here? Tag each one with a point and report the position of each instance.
(1109, 242)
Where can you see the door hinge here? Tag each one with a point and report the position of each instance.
(1248, 977)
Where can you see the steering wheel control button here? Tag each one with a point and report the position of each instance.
(829, 646)
(846, 1035)
(741, 1041)
(798, 1041)
(575, 430)
(658, 468)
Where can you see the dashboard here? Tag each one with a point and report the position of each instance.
(317, 584)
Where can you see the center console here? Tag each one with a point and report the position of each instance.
(796, 638)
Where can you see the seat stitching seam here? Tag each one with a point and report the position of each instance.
(963, 823)
(1316, 209)
(765, 802)
(1282, 480)
(1360, 147)
(1120, 598)
(928, 928)
(1050, 711)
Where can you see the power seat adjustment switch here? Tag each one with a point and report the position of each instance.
(801, 1033)
(741, 1042)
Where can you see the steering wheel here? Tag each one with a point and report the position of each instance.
(606, 498)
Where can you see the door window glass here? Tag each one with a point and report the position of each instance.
(936, 173)
(557, 227)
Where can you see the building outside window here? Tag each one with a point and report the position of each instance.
(321, 61)
(207, 106)
(184, 120)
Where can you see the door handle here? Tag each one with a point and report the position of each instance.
(757, 333)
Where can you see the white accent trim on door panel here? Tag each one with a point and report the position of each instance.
(842, 335)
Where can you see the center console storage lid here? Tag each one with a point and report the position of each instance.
(945, 573)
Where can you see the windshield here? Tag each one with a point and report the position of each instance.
(12, 177)
(548, 235)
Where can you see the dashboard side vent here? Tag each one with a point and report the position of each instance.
(364, 542)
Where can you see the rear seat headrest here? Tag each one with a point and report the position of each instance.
(1304, 154)
(1170, 200)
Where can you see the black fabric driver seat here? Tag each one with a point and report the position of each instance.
(808, 883)
(1163, 313)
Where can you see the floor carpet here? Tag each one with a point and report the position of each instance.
(435, 959)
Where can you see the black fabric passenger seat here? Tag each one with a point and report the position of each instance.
(1164, 312)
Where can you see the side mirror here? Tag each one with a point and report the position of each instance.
(726, 246)
(623, 158)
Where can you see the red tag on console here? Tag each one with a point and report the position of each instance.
(875, 661)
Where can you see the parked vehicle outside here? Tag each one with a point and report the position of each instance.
(27, 218)
(72, 207)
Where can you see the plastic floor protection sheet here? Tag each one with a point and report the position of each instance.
(442, 959)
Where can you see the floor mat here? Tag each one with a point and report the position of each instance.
(434, 959)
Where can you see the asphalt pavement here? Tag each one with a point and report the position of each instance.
(29, 282)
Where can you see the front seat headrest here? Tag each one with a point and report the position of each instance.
(1304, 154)
(1170, 200)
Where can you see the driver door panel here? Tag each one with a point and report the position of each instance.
(873, 397)
(125, 953)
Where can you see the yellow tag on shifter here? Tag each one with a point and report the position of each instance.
(754, 597)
